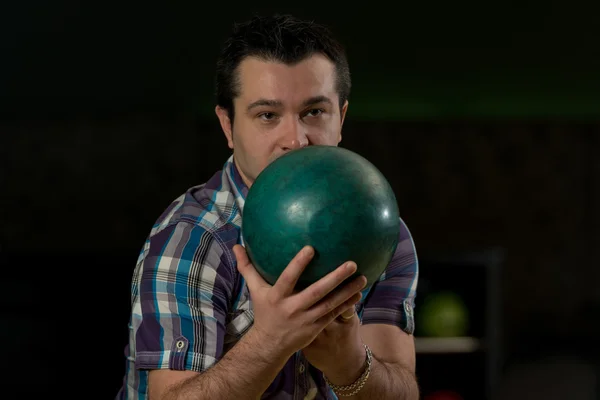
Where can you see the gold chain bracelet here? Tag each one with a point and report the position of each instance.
(354, 388)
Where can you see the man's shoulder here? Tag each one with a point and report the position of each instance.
(211, 206)
(203, 222)
(404, 262)
(199, 228)
(406, 254)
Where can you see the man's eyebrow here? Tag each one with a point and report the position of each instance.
(317, 99)
(276, 103)
(264, 102)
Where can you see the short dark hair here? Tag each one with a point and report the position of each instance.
(281, 38)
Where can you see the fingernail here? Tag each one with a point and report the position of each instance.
(308, 251)
(350, 266)
(363, 282)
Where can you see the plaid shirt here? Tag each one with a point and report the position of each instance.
(190, 304)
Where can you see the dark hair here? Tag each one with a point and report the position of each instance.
(281, 38)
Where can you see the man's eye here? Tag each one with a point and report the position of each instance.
(315, 112)
(267, 116)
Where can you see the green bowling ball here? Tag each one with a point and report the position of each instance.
(443, 314)
(329, 198)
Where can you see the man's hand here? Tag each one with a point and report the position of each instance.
(338, 350)
(288, 321)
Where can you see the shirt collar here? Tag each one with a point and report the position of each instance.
(238, 187)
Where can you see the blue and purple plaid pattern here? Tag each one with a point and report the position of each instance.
(190, 304)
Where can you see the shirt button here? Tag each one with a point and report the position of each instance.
(301, 368)
(180, 344)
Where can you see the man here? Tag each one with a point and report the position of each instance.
(204, 324)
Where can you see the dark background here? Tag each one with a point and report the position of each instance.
(485, 117)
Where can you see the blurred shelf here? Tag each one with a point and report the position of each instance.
(435, 345)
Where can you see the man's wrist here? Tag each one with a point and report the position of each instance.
(347, 371)
(271, 350)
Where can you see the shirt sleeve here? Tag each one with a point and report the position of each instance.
(391, 299)
(184, 286)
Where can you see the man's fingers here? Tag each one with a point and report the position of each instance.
(348, 313)
(327, 315)
(321, 288)
(339, 301)
(289, 277)
(252, 277)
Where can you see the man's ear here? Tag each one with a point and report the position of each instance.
(226, 125)
(343, 117)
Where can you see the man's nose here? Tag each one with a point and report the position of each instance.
(293, 135)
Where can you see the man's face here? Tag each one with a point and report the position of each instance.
(281, 108)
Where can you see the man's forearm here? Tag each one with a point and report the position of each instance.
(245, 372)
(388, 381)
